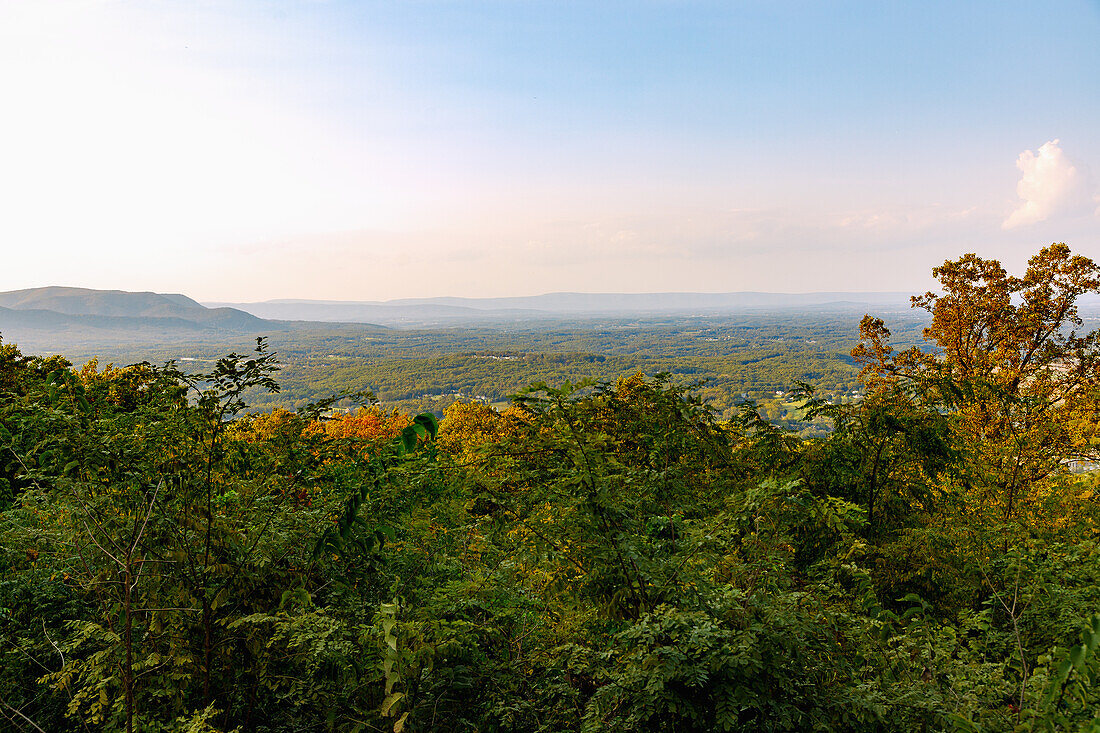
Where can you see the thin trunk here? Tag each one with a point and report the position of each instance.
(247, 725)
(128, 670)
(207, 615)
(872, 491)
(206, 645)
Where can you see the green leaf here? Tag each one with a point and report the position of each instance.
(1077, 656)
(390, 701)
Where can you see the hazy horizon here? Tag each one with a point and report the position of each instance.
(375, 151)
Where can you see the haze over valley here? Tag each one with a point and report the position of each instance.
(426, 354)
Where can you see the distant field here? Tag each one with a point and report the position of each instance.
(733, 357)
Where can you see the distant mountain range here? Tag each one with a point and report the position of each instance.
(556, 305)
(89, 315)
(59, 315)
(53, 316)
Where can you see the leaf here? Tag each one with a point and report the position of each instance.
(390, 701)
(222, 594)
(399, 724)
(1077, 655)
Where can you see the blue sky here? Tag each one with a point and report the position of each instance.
(361, 150)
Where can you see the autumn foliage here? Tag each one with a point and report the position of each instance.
(1012, 368)
(369, 425)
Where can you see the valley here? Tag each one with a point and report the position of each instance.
(754, 351)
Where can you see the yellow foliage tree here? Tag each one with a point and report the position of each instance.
(469, 425)
(1011, 367)
(368, 424)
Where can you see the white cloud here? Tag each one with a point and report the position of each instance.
(897, 219)
(1051, 185)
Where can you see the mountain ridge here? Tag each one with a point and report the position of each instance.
(556, 305)
(104, 314)
(84, 313)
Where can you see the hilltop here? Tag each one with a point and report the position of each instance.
(82, 315)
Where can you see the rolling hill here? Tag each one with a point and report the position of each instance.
(81, 315)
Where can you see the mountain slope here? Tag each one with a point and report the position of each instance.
(173, 312)
(56, 318)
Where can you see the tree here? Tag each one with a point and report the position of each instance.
(368, 426)
(1011, 367)
(883, 453)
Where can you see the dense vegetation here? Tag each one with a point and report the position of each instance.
(598, 556)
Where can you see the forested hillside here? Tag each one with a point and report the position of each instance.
(608, 554)
(80, 315)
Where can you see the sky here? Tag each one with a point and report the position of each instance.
(242, 151)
